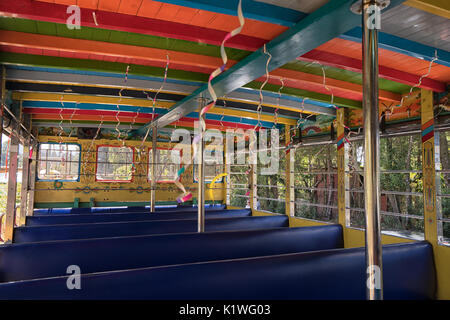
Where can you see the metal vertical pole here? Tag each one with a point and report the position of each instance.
(25, 174)
(253, 158)
(154, 163)
(25, 182)
(32, 179)
(370, 12)
(12, 185)
(341, 165)
(290, 191)
(2, 102)
(228, 170)
(201, 174)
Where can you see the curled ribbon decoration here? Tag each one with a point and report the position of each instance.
(420, 79)
(187, 195)
(212, 184)
(141, 147)
(118, 108)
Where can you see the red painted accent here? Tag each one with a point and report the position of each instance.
(355, 65)
(69, 112)
(429, 135)
(427, 124)
(387, 58)
(43, 11)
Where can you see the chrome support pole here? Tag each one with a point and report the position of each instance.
(32, 180)
(374, 281)
(201, 174)
(10, 218)
(154, 161)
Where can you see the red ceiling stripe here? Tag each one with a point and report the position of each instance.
(355, 65)
(41, 11)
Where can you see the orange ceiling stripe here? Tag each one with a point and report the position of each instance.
(389, 59)
(69, 48)
(89, 4)
(109, 5)
(175, 13)
(105, 48)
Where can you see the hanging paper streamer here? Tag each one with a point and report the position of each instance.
(252, 143)
(70, 121)
(95, 18)
(418, 84)
(187, 195)
(213, 183)
(87, 153)
(141, 147)
(118, 108)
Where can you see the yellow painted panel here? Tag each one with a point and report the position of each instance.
(88, 187)
(299, 222)
(437, 7)
(257, 213)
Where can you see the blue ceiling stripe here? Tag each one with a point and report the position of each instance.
(252, 9)
(89, 106)
(403, 46)
(147, 110)
(218, 117)
(181, 82)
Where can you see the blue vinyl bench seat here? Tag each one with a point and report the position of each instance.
(42, 220)
(409, 273)
(49, 259)
(122, 229)
(51, 211)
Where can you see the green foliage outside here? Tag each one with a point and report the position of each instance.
(315, 181)
(396, 153)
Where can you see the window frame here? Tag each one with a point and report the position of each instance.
(148, 163)
(62, 180)
(406, 234)
(317, 172)
(113, 181)
(195, 168)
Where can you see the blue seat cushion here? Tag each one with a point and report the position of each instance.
(122, 209)
(332, 274)
(49, 259)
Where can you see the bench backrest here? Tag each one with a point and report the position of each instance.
(122, 229)
(120, 209)
(44, 220)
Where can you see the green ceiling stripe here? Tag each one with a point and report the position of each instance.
(104, 66)
(345, 75)
(126, 38)
(307, 94)
(94, 65)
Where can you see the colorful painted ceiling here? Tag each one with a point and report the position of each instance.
(111, 68)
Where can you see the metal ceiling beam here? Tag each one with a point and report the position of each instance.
(324, 24)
